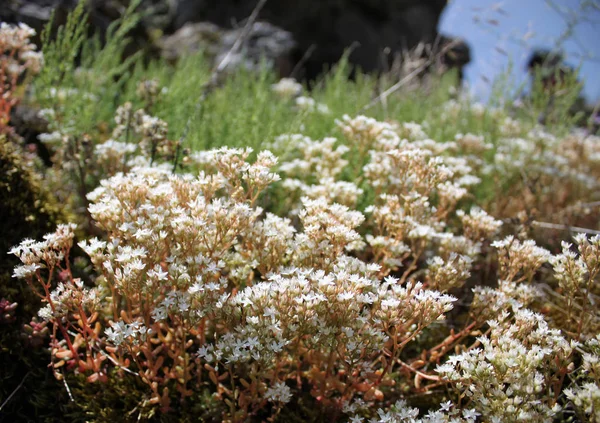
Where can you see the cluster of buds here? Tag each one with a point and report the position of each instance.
(7, 311)
(35, 333)
(149, 91)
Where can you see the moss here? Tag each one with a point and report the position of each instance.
(27, 211)
(126, 398)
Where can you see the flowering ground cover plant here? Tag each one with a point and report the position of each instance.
(18, 57)
(361, 271)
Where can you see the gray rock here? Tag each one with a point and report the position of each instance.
(190, 38)
(265, 42)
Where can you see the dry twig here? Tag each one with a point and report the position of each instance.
(14, 392)
(383, 96)
(559, 227)
(213, 82)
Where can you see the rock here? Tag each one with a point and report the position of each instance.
(314, 32)
(328, 27)
(190, 38)
(264, 42)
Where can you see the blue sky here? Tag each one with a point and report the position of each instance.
(500, 32)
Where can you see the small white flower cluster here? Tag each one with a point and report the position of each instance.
(68, 297)
(418, 187)
(533, 162)
(471, 144)
(457, 110)
(153, 132)
(151, 137)
(228, 168)
(413, 131)
(540, 162)
(279, 392)
(315, 168)
(401, 412)
(271, 247)
(478, 225)
(174, 302)
(402, 159)
(329, 230)
(364, 133)
(575, 272)
(508, 377)
(308, 104)
(316, 310)
(17, 54)
(519, 258)
(408, 225)
(585, 396)
(113, 154)
(63, 94)
(318, 157)
(443, 275)
(473, 148)
(153, 214)
(51, 138)
(513, 153)
(510, 127)
(47, 253)
(121, 333)
(489, 303)
(287, 88)
(591, 360)
(519, 261)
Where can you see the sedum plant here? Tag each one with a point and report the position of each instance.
(362, 266)
(182, 306)
(197, 288)
(18, 60)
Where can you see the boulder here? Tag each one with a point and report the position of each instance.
(377, 30)
(265, 42)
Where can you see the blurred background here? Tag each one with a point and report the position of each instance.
(482, 39)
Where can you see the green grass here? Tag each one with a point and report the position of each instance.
(243, 111)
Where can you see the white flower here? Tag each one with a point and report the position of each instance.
(25, 270)
(287, 88)
(279, 392)
(470, 414)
